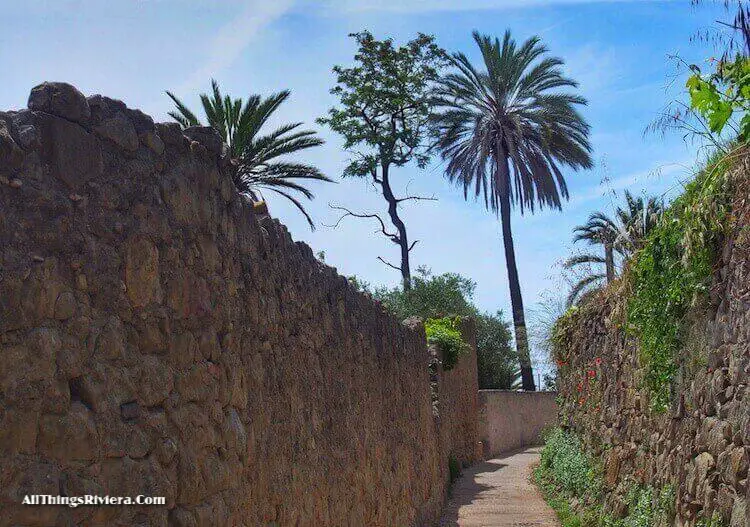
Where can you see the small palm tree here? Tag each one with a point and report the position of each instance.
(623, 235)
(601, 230)
(257, 156)
(505, 132)
(638, 218)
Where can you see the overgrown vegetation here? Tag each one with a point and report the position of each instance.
(445, 333)
(567, 474)
(672, 271)
(572, 470)
(451, 295)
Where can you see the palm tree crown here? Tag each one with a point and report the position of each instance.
(505, 132)
(507, 114)
(259, 167)
(624, 234)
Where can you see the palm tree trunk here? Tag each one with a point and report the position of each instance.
(403, 240)
(609, 261)
(516, 300)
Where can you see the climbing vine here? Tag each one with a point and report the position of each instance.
(672, 272)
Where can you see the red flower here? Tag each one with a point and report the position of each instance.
(598, 361)
(592, 373)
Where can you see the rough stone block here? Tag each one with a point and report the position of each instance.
(60, 99)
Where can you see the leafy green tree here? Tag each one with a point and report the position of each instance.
(259, 157)
(449, 295)
(383, 113)
(497, 361)
(505, 132)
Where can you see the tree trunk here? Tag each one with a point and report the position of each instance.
(403, 240)
(609, 261)
(516, 301)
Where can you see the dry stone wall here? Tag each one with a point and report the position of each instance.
(457, 402)
(159, 338)
(700, 445)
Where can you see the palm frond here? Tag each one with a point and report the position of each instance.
(583, 285)
(240, 126)
(510, 110)
(183, 115)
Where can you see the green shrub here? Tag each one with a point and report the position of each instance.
(567, 474)
(445, 333)
(564, 460)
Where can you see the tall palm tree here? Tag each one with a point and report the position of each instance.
(599, 229)
(257, 156)
(506, 131)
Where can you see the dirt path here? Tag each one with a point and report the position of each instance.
(498, 493)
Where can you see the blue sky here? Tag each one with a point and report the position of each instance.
(617, 50)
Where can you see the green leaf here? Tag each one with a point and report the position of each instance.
(719, 115)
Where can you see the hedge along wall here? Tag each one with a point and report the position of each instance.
(699, 443)
(158, 338)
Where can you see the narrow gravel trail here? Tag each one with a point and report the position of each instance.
(499, 493)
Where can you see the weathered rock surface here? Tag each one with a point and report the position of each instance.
(157, 339)
(60, 99)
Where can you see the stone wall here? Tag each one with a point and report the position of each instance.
(510, 419)
(700, 445)
(158, 338)
(458, 404)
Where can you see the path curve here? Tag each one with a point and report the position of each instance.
(499, 493)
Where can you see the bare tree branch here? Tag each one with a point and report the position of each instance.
(412, 245)
(394, 237)
(389, 264)
(416, 198)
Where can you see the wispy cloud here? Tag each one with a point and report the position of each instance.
(421, 6)
(661, 179)
(232, 39)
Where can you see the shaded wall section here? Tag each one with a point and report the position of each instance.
(509, 419)
(458, 402)
(158, 338)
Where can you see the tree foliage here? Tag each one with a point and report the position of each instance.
(384, 102)
(497, 361)
(447, 296)
(382, 115)
(622, 234)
